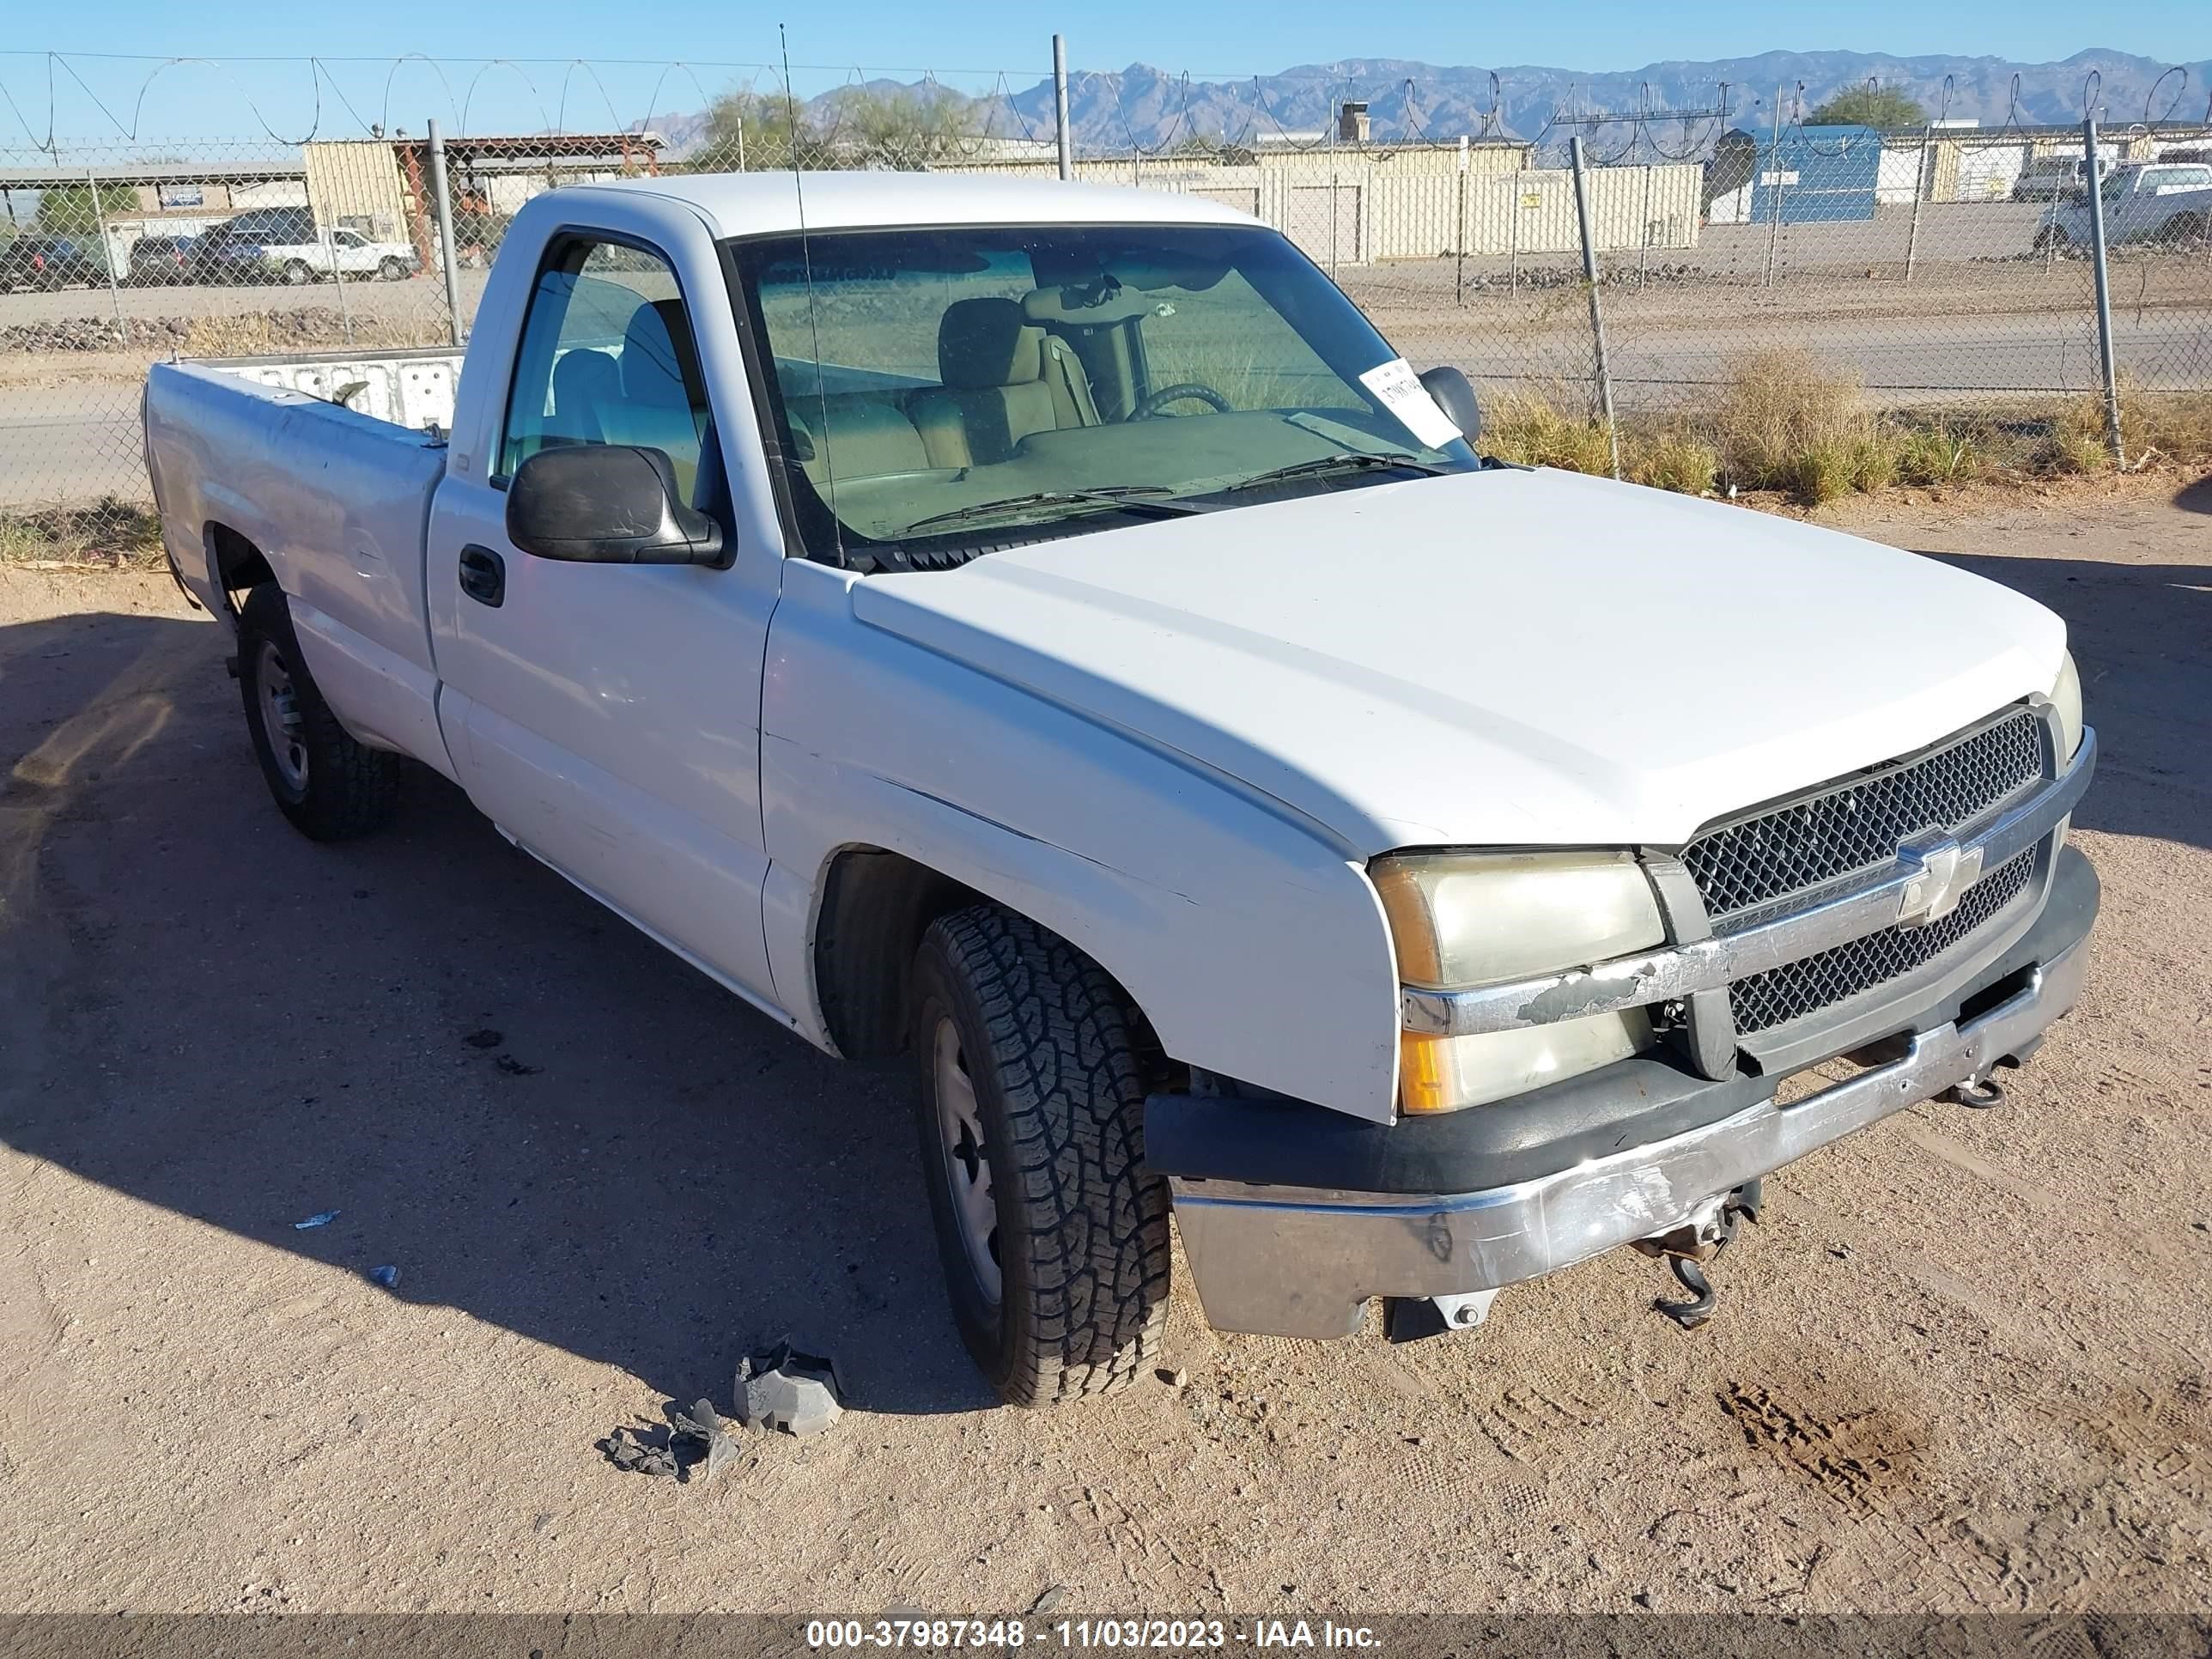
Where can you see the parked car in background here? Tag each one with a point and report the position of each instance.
(2155, 203)
(223, 254)
(346, 252)
(154, 261)
(285, 245)
(38, 261)
(2049, 179)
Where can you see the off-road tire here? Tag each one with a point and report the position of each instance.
(349, 789)
(1053, 1054)
(2183, 233)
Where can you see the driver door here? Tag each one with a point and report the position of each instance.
(607, 716)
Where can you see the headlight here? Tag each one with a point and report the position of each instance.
(2066, 703)
(1461, 920)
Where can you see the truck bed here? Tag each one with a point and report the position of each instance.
(335, 500)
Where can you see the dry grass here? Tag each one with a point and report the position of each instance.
(1787, 423)
(1947, 449)
(1674, 459)
(1529, 428)
(111, 534)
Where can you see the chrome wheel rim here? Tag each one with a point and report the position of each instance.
(279, 716)
(965, 1162)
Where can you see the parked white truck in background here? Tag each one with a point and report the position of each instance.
(1045, 632)
(2163, 203)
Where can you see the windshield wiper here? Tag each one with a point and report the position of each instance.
(1125, 498)
(1350, 460)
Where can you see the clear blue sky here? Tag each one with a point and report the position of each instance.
(900, 37)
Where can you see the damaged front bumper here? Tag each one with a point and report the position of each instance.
(1274, 1251)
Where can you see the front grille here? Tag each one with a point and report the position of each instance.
(1856, 825)
(1798, 988)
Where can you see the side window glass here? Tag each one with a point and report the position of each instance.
(607, 357)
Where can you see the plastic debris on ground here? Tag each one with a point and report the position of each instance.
(388, 1277)
(695, 1446)
(701, 1423)
(782, 1389)
(324, 1219)
(636, 1454)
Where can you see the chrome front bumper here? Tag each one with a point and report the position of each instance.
(1303, 1262)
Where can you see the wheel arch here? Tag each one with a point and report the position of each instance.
(874, 907)
(234, 562)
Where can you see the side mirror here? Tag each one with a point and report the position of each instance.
(607, 504)
(1456, 396)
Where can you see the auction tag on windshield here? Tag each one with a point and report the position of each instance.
(1404, 397)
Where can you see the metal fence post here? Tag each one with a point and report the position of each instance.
(337, 282)
(1458, 258)
(1643, 236)
(1060, 106)
(1919, 190)
(1597, 310)
(2104, 295)
(106, 250)
(1774, 191)
(2051, 241)
(441, 209)
(1513, 237)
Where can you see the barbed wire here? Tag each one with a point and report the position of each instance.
(1253, 100)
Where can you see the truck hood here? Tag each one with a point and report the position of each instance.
(1504, 658)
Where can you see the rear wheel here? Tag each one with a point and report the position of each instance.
(1053, 1237)
(2183, 230)
(390, 270)
(331, 787)
(2053, 238)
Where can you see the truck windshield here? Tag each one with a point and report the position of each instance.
(933, 389)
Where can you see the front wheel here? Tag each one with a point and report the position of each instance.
(331, 787)
(297, 273)
(1052, 1236)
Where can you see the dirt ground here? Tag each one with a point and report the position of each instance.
(1961, 1365)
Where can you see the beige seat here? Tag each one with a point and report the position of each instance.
(1003, 379)
(854, 435)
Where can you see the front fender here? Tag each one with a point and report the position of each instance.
(1254, 947)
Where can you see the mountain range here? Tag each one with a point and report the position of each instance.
(1153, 108)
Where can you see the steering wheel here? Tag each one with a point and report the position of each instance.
(1153, 403)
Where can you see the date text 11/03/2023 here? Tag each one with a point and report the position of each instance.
(943, 1635)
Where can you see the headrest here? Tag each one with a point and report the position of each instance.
(986, 343)
(658, 365)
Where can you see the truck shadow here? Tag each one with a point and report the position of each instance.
(2138, 633)
(539, 1117)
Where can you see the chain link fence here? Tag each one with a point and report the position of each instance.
(1801, 309)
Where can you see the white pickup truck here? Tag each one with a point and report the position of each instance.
(2167, 204)
(1046, 633)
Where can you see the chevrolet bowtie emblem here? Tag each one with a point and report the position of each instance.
(1938, 877)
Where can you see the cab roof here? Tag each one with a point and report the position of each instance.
(753, 204)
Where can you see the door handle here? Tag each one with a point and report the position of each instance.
(484, 575)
